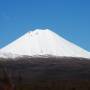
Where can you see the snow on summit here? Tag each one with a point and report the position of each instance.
(44, 42)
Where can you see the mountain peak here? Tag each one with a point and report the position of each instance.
(44, 42)
(37, 31)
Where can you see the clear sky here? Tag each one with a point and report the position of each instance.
(68, 18)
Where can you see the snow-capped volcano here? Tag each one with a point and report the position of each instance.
(44, 42)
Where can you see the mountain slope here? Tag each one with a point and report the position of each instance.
(44, 42)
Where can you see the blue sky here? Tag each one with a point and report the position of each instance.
(68, 18)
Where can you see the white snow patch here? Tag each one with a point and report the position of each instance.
(44, 42)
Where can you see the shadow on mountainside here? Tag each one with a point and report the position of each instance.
(50, 73)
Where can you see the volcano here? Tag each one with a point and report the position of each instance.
(43, 43)
(43, 60)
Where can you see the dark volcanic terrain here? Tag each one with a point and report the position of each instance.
(50, 73)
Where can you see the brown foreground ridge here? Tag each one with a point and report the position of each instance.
(50, 73)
